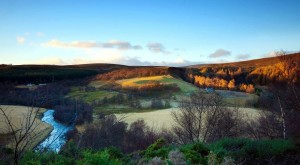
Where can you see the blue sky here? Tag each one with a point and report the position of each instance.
(140, 32)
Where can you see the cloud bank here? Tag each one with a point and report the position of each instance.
(112, 57)
(114, 44)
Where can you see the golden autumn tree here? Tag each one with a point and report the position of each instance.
(250, 88)
(231, 84)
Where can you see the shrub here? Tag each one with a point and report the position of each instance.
(32, 158)
(195, 153)
(102, 157)
(250, 150)
(157, 149)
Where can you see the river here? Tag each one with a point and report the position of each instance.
(57, 138)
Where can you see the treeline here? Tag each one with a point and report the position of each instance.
(149, 89)
(42, 74)
(277, 73)
(73, 110)
(47, 96)
(219, 83)
(152, 87)
(109, 131)
(132, 73)
(132, 100)
(52, 96)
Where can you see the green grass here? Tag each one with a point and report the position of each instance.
(98, 84)
(89, 97)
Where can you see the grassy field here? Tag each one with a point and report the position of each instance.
(241, 99)
(230, 97)
(17, 114)
(100, 93)
(162, 119)
(186, 88)
(88, 97)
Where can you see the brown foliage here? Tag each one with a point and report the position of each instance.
(133, 72)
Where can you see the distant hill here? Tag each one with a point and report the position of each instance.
(49, 73)
(249, 63)
(258, 70)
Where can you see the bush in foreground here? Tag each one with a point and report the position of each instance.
(225, 151)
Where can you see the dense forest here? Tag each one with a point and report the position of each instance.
(243, 76)
(133, 72)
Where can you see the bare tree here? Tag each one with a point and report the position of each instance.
(229, 122)
(281, 118)
(198, 118)
(23, 132)
(189, 124)
(108, 131)
(288, 100)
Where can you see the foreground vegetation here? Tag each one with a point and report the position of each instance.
(226, 151)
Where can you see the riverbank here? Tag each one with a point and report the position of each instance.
(17, 114)
(56, 139)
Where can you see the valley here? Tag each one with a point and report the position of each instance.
(102, 100)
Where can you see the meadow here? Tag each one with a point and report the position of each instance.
(162, 119)
(185, 88)
(105, 90)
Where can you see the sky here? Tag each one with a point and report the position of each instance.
(146, 32)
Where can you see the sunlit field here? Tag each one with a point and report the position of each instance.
(162, 119)
(185, 88)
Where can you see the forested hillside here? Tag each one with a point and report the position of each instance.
(244, 75)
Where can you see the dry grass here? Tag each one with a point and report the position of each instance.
(161, 119)
(17, 115)
(238, 98)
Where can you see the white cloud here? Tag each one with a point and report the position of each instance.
(111, 56)
(271, 54)
(121, 45)
(179, 60)
(243, 57)
(51, 61)
(220, 53)
(157, 48)
(21, 40)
